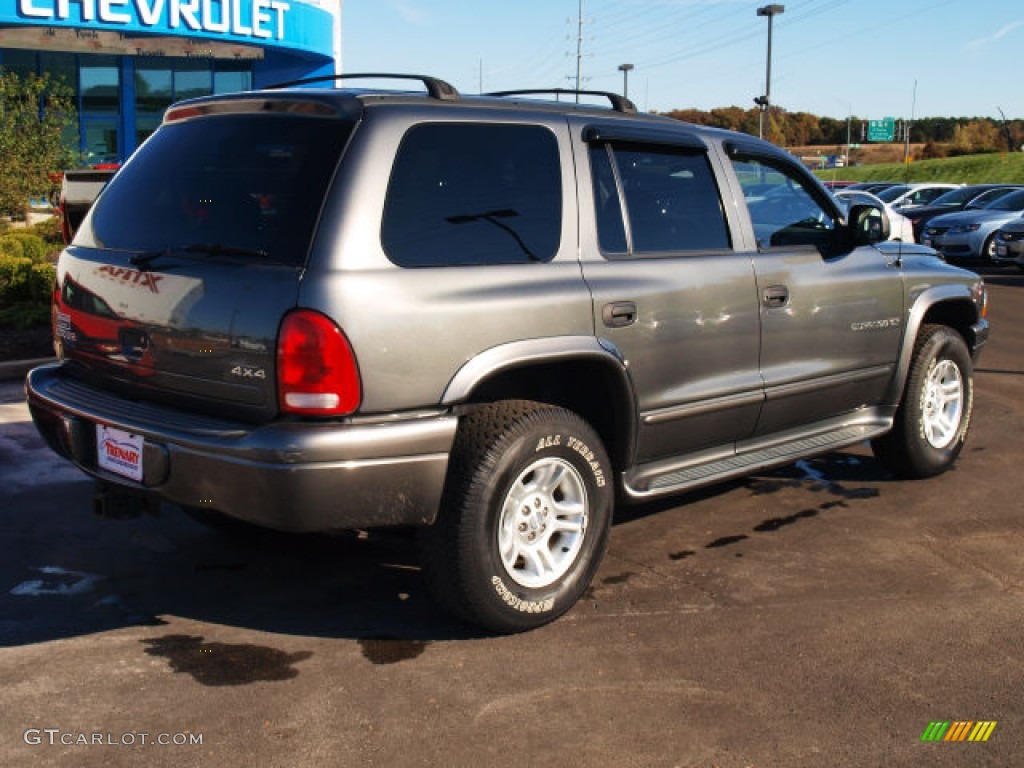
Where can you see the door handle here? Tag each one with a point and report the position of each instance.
(775, 296)
(619, 314)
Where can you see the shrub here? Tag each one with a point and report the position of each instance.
(41, 283)
(32, 245)
(24, 315)
(21, 280)
(11, 247)
(15, 278)
(36, 112)
(49, 231)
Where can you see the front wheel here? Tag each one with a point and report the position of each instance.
(525, 519)
(988, 250)
(932, 421)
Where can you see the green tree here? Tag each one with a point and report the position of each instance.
(34, 112)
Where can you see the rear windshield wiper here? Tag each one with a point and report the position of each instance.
(143, 260)
(491, 217)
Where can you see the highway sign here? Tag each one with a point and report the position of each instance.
(881, 130)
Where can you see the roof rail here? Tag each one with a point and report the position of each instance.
(437, 89)
(619, 103)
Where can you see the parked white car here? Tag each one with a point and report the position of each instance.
(908, 196)
(900, 227)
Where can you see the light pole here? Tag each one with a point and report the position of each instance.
(765, 101)
(625, 69)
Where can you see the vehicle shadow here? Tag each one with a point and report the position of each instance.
(69, 573)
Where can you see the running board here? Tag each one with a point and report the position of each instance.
(666, 477)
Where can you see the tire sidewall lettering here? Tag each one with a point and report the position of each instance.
(520, 604)
(577, 449)
(580, 447)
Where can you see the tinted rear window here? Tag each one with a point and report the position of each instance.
(473, 194)
(250, 182)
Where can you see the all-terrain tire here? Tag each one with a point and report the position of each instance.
(525, 518)
(935, 414)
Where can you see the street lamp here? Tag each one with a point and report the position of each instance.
(765, 101)
(625, 69)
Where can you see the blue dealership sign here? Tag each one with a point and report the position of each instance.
(286, 24)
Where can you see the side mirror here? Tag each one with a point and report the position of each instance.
(867, 225)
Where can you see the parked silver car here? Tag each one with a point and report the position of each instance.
(970, 235)
(1010, 244)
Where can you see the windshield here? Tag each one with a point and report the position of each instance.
(987, 198)
(249, 185)
(955, 196)
(891, 193)
(1011, 202)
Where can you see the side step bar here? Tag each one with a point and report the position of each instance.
(662, 478)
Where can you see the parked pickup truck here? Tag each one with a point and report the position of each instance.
(490, 317)
(78, 190)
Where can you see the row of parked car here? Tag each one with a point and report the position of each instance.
(966, 223)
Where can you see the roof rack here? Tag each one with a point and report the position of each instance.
(436, 89)
(619, 103)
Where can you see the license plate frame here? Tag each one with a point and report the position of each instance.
(119, 452)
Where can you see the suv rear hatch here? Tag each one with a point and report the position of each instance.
(176, 284)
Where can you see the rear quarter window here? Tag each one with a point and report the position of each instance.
(464, 194)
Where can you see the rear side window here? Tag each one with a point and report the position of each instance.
(473, 194)
(250, 185)
(672, 201)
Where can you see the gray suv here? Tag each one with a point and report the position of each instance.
(490, 317)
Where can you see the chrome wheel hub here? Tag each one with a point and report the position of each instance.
(543, 523)
(943, 404)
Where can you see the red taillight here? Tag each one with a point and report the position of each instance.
(317, 373)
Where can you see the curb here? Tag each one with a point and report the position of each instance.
(16, 369)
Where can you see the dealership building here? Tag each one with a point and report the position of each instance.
(127, 60)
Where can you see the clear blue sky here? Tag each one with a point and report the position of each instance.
(828, 56)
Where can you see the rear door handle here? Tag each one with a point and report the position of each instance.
(775, 296)
(619, 314)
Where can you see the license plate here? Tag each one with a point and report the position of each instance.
(119, 452)
(1001, 250)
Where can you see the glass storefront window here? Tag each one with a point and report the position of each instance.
(154, 87)
(192, 79)
(96, 81)
(145, 124)
(62, 67)
(231, 82)
(101, 145)
(101, 82)
(22, 62)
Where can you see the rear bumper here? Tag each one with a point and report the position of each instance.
(295, 476)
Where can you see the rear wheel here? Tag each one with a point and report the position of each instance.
(932, 420)
(525, 519)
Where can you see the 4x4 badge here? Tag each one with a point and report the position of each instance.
(247, 372)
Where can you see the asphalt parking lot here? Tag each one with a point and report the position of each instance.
(822, 615)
